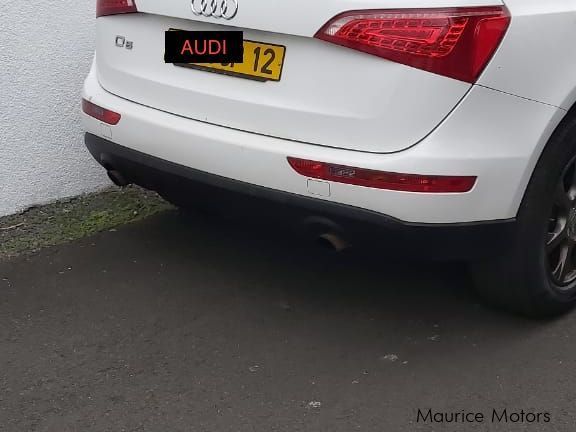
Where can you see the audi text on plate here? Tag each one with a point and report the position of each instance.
(440, 128)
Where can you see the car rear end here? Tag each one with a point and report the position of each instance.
(371, 108)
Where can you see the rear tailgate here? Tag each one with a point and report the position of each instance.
(328, 95)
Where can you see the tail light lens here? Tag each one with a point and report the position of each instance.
(454, 42)
(381, 179)
(102, 114)
(114, 7)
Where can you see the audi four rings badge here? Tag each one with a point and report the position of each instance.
(226, 9)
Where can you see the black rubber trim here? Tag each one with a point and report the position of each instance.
(158, 174)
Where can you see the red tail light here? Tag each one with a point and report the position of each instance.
(114, 7)
(100, 113)
(382, 180)
(454, 42)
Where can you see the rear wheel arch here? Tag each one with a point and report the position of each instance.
(517, 276)
(560, 125)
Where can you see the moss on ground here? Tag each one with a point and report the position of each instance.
(76, 218)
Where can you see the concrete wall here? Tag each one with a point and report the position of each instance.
(46, 48)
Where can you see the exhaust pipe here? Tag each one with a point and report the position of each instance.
(333, 241)
(117, 178)
(326, 233)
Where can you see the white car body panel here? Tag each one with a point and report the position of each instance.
(354, 101)
(388, 117)
(537, 58)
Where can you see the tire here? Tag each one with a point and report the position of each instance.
(528, 278)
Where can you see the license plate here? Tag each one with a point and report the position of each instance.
(262, 62)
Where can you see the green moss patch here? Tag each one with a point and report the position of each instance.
(76, 218)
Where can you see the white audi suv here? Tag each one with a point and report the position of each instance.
(448, 125)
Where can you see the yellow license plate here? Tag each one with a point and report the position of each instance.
(262, 62)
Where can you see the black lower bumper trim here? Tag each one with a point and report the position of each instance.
(442, 240)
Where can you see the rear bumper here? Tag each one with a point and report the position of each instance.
(436, 241)
(488, 136)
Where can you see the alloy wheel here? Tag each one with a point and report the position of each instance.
(561, 233)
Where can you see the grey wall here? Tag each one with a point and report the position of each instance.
(45, 52)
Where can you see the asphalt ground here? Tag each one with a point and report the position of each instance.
(181, 323)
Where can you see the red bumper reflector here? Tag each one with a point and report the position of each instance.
(382, 180)
(114, 7)
(100, 113)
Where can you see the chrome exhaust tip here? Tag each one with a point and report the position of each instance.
(333, 241)
(326, 233)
